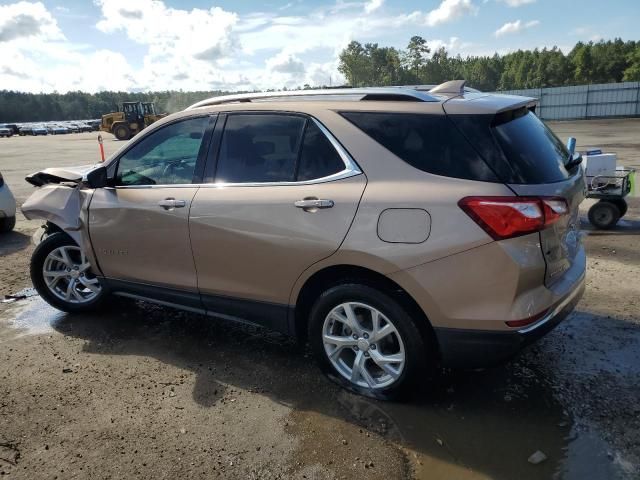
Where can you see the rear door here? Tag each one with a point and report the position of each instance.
(282, 196)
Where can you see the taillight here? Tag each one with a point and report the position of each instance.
(507, 217)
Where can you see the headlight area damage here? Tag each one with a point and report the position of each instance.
(62, 199)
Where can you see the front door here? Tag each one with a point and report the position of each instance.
(283, 197)
(139, 228)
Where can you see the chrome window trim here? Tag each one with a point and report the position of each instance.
(351, 170)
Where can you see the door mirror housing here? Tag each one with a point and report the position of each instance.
(571, 145)
(98, 178)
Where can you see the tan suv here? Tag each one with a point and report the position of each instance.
(395, 229)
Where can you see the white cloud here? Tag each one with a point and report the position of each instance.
(27, 20)
(373, 5)
(517, 3)
(202, 34)
(515, 27)
(202, 49)
(286, 63)
(448, 11)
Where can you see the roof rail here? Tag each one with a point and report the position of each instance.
(374, 93)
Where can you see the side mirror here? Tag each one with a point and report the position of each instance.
(97, 178)
(571, 145)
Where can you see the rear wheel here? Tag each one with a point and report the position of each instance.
(366, 342)
(122, 132)
(604, 214)
(7, 224)
(62, 275)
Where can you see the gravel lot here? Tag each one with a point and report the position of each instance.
(142, 391)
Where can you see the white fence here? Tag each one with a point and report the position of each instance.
(585, 101)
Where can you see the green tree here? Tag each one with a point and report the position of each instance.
(415, 57)
(632, 72)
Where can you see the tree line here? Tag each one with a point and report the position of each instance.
(373, 65)
(601, 62)
(41, 107)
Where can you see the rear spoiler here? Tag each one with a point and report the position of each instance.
(487, 104)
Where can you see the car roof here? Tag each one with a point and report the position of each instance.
(458, 98)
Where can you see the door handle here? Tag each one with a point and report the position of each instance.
(312, 203)
(171, 203)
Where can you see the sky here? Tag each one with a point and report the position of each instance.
(147, 45)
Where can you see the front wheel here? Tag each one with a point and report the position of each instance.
(62, 275)
(365, 341)
(122, 132)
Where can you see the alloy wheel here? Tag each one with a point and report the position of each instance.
(363, 345)
(67, 274)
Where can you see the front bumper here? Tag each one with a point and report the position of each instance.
(462, 348)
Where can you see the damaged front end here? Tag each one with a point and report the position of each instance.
(62, 200)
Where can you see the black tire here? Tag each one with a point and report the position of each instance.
(419, 362)
(38, 258)
(7, 224)
(122, 132)
(621, 203)
(604, 215)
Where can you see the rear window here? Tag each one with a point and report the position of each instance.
(430, 143)
(517, 146)
(531, 148)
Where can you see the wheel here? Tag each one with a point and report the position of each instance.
(122, 132)
(621, 203)
(365, 341)
(604, 214)
(7, 224)
(62, 275)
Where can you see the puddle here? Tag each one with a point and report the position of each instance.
(32, 316)
(485, 425)
(588, 456)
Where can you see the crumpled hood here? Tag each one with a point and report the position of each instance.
(59, 175)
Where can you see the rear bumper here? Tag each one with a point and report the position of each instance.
(462, 348)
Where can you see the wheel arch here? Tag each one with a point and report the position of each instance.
(344, 273)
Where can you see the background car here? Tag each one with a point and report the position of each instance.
(25, 130)
(5, 132)
(39, 130)
(57, 129)
(7, 207)
(83, 127)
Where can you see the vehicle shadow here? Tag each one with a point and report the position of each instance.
(13, 242)
(487, 421)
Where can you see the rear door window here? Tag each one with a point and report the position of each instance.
(259, 148)
(430, 143)
(272, 148)
(318, 158)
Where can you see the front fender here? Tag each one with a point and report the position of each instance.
(66, 207)
(58, 204)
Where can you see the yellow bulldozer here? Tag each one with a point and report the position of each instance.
(132, 119)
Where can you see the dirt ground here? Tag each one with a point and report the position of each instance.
(142, 391)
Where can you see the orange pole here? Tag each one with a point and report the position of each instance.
(101, 147)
